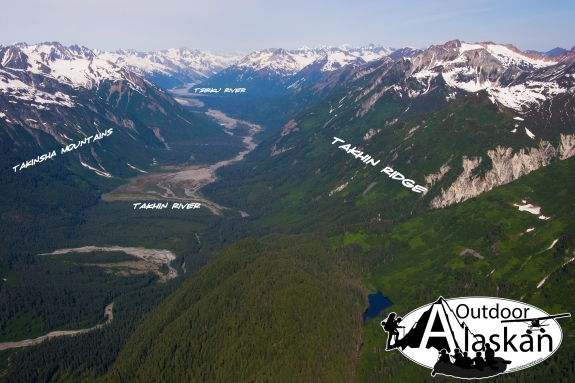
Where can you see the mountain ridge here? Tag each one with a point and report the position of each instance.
(504, 108)
(58, 95)
(168, 68)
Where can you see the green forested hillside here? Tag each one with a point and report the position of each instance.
(423, 262)
(85, 356)
(296, 189)
(280, 309)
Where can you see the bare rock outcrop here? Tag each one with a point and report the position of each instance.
(507, 166)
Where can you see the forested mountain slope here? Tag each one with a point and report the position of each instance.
(515, 122)
(282, 309)
(264, 307)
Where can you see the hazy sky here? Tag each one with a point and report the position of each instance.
(250, 25)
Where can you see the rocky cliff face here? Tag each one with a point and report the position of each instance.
(507, 166)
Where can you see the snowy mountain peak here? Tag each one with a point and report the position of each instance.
(509, 75)
(510, 55)
(53, 51)
(173, 67)
(83, 67)
(288, 63)
(276, 60)
(75, 66)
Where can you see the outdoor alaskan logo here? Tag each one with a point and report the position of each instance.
(475, 337)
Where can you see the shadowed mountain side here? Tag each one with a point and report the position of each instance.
(275, 111)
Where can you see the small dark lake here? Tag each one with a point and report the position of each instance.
(377, 303)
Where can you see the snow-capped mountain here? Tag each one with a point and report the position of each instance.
(75, 66)
(277, 71)
(53, 96)
(511, 77)
(174, 67)
(83, 66)
(288, 63)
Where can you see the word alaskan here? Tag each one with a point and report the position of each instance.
(394, 175)
(522, 336)
(214, 90)
(66, 149)
(176, 205)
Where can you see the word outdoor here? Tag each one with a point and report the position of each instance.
(176, 205)
(394, 175)
(214, 90)
(66, 149)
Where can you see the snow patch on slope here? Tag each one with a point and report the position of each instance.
(12, 86)
(525, 95)
(508, 57)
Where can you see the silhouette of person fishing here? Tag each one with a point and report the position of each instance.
(391, 326)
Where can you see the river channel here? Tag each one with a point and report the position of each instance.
(108, 312)
(183, 184)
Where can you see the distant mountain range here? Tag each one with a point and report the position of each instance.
(274, 72)
(408, 77)
(69, 92)
(173, 67)
(167, 69)
(287, 70)
(277, 71)
(552, 53)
